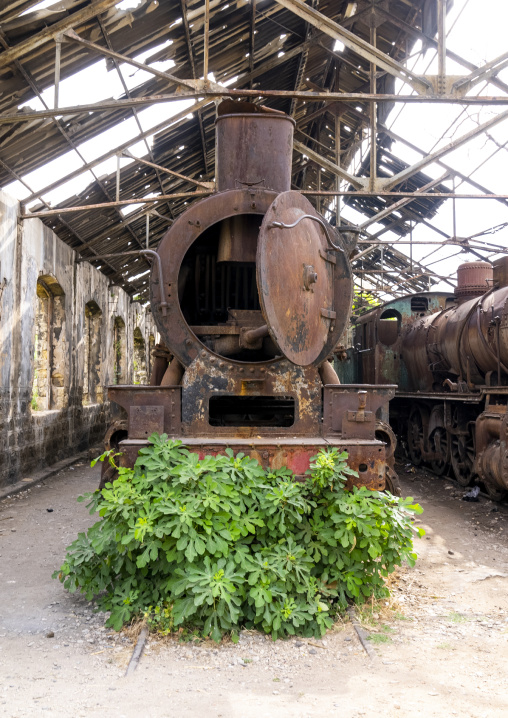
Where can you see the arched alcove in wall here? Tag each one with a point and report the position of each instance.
(119, 352)
(48, 391)
(92, 389)
(139, 368)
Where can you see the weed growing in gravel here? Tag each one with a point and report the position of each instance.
(455, 617)
(214, 544)
(379, 638)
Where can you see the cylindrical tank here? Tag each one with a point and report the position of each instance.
(473, 279)
(254, 150)
(470, 339)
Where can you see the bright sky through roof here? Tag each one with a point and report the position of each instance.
(472, 34)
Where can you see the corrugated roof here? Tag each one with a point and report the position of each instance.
(263, 44)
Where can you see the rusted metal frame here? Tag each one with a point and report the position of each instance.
(89, 165)
(373, 117)
(194, 195)
(41, 38)
(74, 37)
(218, 91)
(272, 63)
(126, 153)
(450, 169)
(118, 170)
(60, 219)
(450, 242)
(312, 139)
(402, 202)
(441, 45)
(64, 134)
(302, 64)
(338, 151)
(58, 58)
(358, 182)
(12, 10)
(126, 220)
(429, 159)
(206, 39)
(426, 39)
(485, 73)
(356, 44)
(31, 82)
(121, 203)
(190, 52)
(134, 111)
(398, 255)
(148, 252)
(252, 40)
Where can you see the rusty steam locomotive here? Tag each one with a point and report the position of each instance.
(448, 355)
(251, 289)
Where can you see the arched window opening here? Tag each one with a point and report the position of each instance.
(48, 391)
(120, 352)
(92, 390)
(140, 368)
(388, 327)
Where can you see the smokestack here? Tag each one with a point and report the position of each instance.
(254, 147)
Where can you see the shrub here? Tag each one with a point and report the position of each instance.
(218, 543)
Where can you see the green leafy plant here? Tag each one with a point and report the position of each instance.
(218, 543)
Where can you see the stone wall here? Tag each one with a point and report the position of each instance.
(59, 348)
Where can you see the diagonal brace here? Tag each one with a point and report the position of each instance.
(357, 182)
(358, 45)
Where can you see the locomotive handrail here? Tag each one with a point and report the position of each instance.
(281, 225)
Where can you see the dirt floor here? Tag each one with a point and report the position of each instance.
(440, 645)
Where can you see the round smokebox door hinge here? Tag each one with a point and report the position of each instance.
(310, 277)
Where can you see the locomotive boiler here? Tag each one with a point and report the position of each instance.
(448, 354)
(251, 289)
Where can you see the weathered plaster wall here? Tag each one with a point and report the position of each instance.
(32, 438)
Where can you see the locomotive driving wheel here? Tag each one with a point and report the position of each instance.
(438, 445)
(415, 436)
(462, 449)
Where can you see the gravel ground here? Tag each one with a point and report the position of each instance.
(440, 644)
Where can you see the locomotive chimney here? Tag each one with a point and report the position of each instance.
(254, 149)
(473, 280)
(501, 272)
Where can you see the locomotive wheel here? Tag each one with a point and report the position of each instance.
(438, 441)
(392, 482)
(108, 475)
(415, 437)
(495, 493)
(384, 432)
(462, 457)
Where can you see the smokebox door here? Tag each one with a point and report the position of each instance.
(295, 276)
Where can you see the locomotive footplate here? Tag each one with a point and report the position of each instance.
(365, 457)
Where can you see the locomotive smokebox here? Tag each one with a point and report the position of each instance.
(251, 293)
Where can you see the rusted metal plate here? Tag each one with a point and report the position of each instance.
(365, 457)
(145, 420)
(210, 376)
(295, 282)
(350, 410)
(167, 397)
